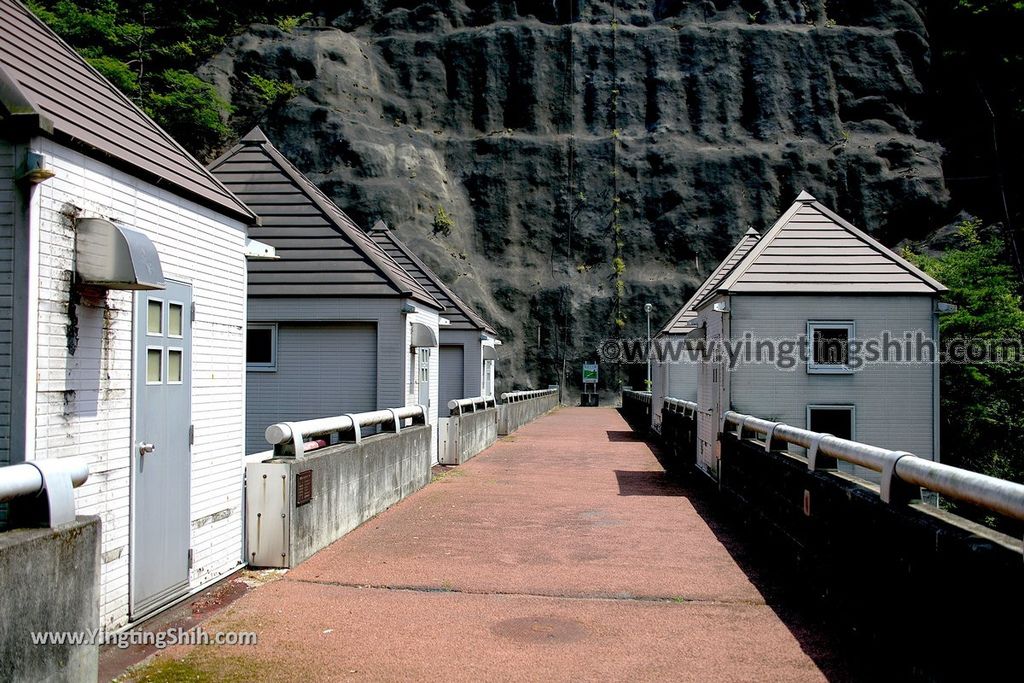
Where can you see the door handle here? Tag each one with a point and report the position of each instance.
(146, 448)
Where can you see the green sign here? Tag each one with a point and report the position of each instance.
(590, 373)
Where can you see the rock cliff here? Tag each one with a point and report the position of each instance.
(540, 126)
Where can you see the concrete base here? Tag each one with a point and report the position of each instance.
(512, 416)
(467, 435)
(51, 583)
(350, 484)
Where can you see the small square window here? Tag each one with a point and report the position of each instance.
(154, 366)
(174, 366)
(261, 348)
(834, 420)
(829, 347)
(155, 317)
(175, 320)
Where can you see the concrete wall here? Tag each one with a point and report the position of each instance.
(351, 484)
(512, 416)
(51, 582)
(468, 435)
(79, 393)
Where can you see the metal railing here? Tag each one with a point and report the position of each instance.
(290, 438)
(56, 477)
(899, 469)
(517, 396)
(642, 396)
(461, 406)
(678, 405)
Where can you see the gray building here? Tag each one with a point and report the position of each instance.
(814, 294)
(336, 326)
(467, 342)
(675, 365)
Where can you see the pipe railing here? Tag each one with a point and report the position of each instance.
(517, 396)
(461, 406)
(678, 405)
(56, 477)
(642, 396)
(290, 438)
(900, 470)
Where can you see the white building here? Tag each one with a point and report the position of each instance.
(336, 326)
(814, 288)
(467, 342)
(122, 320)
(674, 368)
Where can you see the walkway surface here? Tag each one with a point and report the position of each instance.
(562, 552)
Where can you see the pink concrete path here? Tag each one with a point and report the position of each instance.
(563, 552)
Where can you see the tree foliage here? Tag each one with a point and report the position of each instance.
(150, 51)
(982, 403)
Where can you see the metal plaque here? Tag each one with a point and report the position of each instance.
(303, 487)
(590, 373)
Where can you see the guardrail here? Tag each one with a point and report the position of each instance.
(461, 406)
(898, 468)
(57, 477)
(517, 396)
(678, 405)
(290, 438)
(642, 396)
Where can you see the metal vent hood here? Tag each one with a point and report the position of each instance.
(115, 257)
(489, 353)
(422, 336)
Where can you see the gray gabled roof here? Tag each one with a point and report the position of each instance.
(46, 86)
(321, 251)
(456, 310)
(681, 322)
(811, 249)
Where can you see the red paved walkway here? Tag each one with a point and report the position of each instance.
(562, 552)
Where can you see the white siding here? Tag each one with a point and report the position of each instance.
(428, 317)
(7, 208)
(673, 379)
(894, 402)
(83, 401)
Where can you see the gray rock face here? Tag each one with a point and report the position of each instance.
(527, 120)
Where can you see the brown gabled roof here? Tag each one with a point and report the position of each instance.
(456, 310)
(811, 249)
(681, 321)
(46, 85)
(321, 251)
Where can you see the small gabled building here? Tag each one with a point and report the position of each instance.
(819, 294)
(675, 362)
(122, 319)
(336, 326)
(468, 343)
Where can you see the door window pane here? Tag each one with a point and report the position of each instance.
(155, 317)
(174, 320)
(174, 371)
(154, 366)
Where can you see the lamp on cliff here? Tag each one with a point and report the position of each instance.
(647, 309)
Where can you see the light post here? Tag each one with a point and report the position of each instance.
(647, 309)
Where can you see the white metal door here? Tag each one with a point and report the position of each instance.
(161, 450)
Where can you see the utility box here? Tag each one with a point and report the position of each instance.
(269, 498)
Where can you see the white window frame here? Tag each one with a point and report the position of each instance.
(181, 305)
(816, 369)
(163, 316)
(835, 406)
(263, 367)
(167, 365)
(163, 365)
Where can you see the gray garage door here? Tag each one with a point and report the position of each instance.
(452, 377)
(321, 371)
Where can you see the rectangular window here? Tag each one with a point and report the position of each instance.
(424, 363)
(829, 347)
(154, 365)
(174, 366)
(834, 420)
(261, 348)
(175, 320)
(155, 317)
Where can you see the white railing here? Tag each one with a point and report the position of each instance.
(54, 476)
(517, 396)
(896, 467)
(642, 396)
(461, 406)
(290, 438)
(678, 405)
